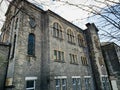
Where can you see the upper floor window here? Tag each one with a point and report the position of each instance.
(73, 59)
(81, 40)
(70, 36)
(31, 44)
(58, 55)
(84, 60)
(57, 30)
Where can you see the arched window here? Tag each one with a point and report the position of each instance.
(31, 44)
(57, 30)
(80, 40)
(70, 36)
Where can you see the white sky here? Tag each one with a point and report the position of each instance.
(71, 13)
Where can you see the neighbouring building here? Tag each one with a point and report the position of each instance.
(50, 53)
(111, 53)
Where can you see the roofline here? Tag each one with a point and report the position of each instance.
(110, 44)
(48, 11)
(51, 12)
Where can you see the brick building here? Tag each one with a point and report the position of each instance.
(50, 53)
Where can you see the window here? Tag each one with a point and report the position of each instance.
(58, 55)
(70, 36)
(105, 83)
(84, 60)
(73, 59)
(88, 83)
(13, 49)
(57, 31)
(31, 44)
(61, 84)
(81, 41)
(30, 83)
(16, 23)
(57, 84)
(76, 82)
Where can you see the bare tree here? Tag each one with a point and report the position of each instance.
(107, 13)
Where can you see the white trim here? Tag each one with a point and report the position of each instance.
(87, 76)
(76, 76)
(104, 75)
(60, 77)
(30, 78)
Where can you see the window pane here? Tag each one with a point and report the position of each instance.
(57, 84)
(63, 84)
(30, 84)
(74, 83)
(31, 44)
(55, 54)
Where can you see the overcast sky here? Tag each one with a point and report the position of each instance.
(71, 13)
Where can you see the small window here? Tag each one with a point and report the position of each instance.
(81, 41)
(57, 31)
(88, 83)
(31, 44)
(84, 60)
(105, 83)
(70, 36)
(30, 83)
(58, 55)
(73, 59)
(57, 84)
(76, 82)
(60, 84)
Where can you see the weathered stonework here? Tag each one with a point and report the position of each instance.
(4, 52)
(42, 66)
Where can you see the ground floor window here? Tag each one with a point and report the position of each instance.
(76, 82)
(87, 80)
(61, 83)
(30, 83)
(105, 83)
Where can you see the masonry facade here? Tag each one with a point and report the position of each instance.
(49, 53)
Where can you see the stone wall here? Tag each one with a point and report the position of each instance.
(4, 52)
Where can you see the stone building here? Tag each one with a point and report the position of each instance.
(111, 53)
(50, 53)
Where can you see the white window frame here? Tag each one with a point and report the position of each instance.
(87, 77)
(60, 84)
(31, 79)
(76, 81)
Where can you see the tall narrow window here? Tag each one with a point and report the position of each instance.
(70, 36)
(31, 44)
(57, 30)
(81, 40)
(88, 83)
(57, 84)
(13, 51)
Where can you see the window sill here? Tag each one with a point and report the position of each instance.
(31, 57)
(71, 42)
(60, 61)
(74, 63)
(59, 38)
